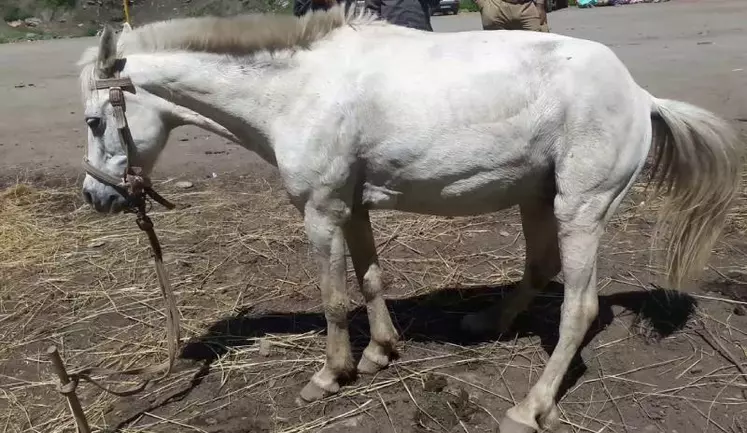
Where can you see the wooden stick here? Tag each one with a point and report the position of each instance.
(67, 389)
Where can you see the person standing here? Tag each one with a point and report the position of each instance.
(513, 15)
(415, 14)
(302, 7)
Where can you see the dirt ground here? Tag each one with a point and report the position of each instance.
(655, 360)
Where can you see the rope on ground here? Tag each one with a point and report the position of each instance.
(126, 7)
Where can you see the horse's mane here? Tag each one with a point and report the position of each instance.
(236, 35)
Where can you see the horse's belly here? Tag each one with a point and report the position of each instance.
(467, 196)
(459, 171)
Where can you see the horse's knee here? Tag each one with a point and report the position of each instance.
(371, 287)
(336, 311)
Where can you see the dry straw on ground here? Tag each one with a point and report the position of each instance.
(239, 264)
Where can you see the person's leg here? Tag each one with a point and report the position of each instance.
(300, 7)
(494, 16)
(320, 6)
(426, 8)
(529, 17)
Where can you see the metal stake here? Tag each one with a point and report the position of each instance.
(67, 388)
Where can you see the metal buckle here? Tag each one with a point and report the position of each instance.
(123, 83)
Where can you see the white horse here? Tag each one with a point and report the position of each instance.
(358, 114)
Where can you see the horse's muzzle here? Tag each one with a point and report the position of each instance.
(104, 198)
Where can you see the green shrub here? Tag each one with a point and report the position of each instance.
(468, 5)
(233, 7)
(15, 14)
(69, 4)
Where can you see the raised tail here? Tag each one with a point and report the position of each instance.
(698, 163)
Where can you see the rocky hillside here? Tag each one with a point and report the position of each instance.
(37, 19)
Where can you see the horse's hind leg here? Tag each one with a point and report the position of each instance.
(541, 265)
(581, 224)
(585, 201)
(362, 247)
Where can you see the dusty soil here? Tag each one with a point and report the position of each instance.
(655, 361)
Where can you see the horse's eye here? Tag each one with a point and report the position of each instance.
(93, 122)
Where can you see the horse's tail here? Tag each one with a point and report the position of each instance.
(698, 163)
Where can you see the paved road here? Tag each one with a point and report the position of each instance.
(685, 49)
(693, 50)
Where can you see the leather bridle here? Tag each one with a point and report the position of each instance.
(133, 184)
(136, 188)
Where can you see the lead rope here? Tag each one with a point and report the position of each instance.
(172, 321)
(137, 189)
(126, 7)
(69, 382)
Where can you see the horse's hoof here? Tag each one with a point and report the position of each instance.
(313, 392)
(509, 425)
(551, 421)
(368, 366)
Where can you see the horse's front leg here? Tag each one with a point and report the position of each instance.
(324, 226)
(384, 336)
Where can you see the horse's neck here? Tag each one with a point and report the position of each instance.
(235, 96)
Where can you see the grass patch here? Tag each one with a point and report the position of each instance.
(13, 35)
(16, 14)
(228, 8)
(8, 35)
(67, 4)
(468, 6)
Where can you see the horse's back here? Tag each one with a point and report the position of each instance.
(476, 73)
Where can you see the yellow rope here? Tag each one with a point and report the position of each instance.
(126, 11)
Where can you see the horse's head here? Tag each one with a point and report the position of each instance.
(107, 153)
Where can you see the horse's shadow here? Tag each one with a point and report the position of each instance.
(436, 317)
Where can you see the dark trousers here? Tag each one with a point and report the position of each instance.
(415, 14)
(301, 7)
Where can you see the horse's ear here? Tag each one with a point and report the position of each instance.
(126, 28)
(107, 57)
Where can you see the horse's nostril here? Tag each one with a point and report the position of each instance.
(112, 203)
(87, 197)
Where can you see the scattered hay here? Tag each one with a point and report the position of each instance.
(28, 234)
(240, 268)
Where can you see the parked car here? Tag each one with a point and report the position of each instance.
(445, 6)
